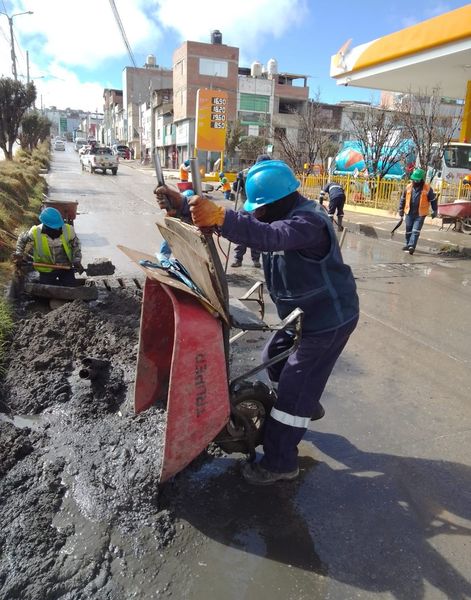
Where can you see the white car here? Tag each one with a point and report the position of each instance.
(59, 145)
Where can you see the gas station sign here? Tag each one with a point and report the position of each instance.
(211, 120)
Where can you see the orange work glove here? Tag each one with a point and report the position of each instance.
(206, 213)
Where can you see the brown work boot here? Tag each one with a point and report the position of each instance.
(236, 263)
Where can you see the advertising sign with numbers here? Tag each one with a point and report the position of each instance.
(211, 119)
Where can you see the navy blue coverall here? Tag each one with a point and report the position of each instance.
(303, 267)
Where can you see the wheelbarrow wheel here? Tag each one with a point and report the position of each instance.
(251, 403)
(466, 225)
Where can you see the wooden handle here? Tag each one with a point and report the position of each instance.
(55, 267)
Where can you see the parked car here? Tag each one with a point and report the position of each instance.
(99, 158)
(122, 150)
(59, 145)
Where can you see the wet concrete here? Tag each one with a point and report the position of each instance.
(382, 508)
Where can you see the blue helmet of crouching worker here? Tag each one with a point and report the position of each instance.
(52, 218)
(188, 193)
(268, 181)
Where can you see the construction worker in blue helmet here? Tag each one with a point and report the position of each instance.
(185, 169)
(303, 268)
(53, 242)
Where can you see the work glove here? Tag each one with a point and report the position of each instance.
(79, 268)
(434, 214)
(16, 258)
(169, 200)
(400, 213)
(206, 213)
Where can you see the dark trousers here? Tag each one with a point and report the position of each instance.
(59, 277)
(414, 225)
(301, 379)
(240, 250)
(336, 204)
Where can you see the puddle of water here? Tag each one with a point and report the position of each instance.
(22, 421)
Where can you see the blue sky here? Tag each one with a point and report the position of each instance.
(76, 50)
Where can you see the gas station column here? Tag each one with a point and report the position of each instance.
(465, 134)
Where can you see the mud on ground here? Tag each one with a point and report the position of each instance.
(79, 505)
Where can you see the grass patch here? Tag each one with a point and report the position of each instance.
(6, 328)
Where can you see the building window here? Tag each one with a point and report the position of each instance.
(289, 108)
(214, 68)
(249, 118)
(254, 103)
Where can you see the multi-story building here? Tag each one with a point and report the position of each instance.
(113, 130)
(200, 65)
(138, 86)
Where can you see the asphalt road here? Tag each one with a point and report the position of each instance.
(383, 505)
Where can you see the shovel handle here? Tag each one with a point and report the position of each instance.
(55, 267)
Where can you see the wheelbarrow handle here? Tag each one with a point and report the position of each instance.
(293, 322)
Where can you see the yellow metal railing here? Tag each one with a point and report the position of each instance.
(375, 192)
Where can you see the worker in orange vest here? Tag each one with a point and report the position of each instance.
(415, 203)
(224, 186)
(184, 170)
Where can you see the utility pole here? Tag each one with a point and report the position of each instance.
(12, 38)
(12, 41)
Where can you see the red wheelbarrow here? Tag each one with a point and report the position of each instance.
(457, 213)
(184, 347)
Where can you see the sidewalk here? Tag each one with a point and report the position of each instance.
(432, 239)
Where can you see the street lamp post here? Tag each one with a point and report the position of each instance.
(12, 39)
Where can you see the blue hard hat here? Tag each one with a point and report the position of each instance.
(267, 182)
(52, 218)
(188, 193)
(222, 174)
(187, 163)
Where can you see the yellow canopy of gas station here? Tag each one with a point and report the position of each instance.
(432, 54)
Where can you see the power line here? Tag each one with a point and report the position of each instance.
(123, 33)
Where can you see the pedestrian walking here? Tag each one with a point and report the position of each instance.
(303, 268)
(415, 203)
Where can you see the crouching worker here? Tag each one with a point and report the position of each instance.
(54, 243)
(303, 268)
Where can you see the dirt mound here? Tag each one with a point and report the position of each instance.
(79, 493)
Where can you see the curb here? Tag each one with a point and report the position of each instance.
(425, 244)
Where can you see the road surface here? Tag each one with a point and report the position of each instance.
(383, 505)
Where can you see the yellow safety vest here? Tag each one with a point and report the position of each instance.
(41, 250)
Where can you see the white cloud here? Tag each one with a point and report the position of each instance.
(67, 37)
(244, 23)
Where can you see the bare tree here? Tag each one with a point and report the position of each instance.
(251, 146)
(234, 134)
(15, 99)
(314, 142)
(379, 134)
(430, 123)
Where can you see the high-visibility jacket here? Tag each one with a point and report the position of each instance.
(41, 250)
(183, 173)
(226, 187)
(424, 203)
